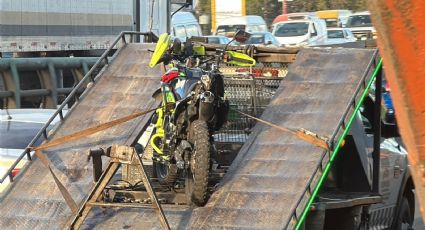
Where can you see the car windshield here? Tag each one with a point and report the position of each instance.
(359, 21)
(256, 39)
(331, 22)
(180, 31)
(225, 29)
(291, 29)
(192, 30)
(335, 34)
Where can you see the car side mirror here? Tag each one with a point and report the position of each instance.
(241, 36)
(313, 33)
(269, 42)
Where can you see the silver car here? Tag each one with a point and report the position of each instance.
(17, 128)
(218, 39)
(340, 35)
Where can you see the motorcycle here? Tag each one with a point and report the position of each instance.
(193, 107)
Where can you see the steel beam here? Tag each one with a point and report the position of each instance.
(401, 38)
(46, 70)
(42, 63)
(16, 85)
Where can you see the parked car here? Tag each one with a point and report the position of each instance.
(340, 35)
(217, 39)
(302, 31)
(263, 38)
(361, 26)
(17, 128)
(250, 23)
(293, 16)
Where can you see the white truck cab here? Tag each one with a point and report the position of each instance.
(348, 199)
(307, 31)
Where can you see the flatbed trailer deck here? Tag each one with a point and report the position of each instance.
(268, 185)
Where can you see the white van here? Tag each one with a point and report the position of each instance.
(361, 26)
(308, 31)
(154, 17)
(251, 23)
(184, 25)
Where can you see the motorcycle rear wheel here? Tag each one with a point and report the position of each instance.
(197, 175)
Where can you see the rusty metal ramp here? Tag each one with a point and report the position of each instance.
(270, 183)
(124, 87)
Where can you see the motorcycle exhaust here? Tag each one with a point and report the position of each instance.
(206, 106)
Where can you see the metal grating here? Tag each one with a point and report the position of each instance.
(249, 95)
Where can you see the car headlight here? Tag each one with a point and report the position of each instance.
(304, 43)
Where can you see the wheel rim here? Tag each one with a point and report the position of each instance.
(162, 170)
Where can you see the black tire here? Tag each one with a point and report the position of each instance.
(404, 218)
(166, 174)
(197, 174)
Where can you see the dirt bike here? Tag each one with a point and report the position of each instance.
(192, 108)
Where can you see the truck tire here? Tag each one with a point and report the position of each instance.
(404, 218)
(197, 174)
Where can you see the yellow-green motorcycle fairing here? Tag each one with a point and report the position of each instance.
(161, 47)
(240, 59)
(199, 50)
(168, 102)
(159, 132)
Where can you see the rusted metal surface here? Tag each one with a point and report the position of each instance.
(267, 178)
(125, 87)
(401, 38)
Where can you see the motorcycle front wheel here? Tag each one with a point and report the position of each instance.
(197, 174)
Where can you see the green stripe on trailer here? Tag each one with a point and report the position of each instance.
(337, 148)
